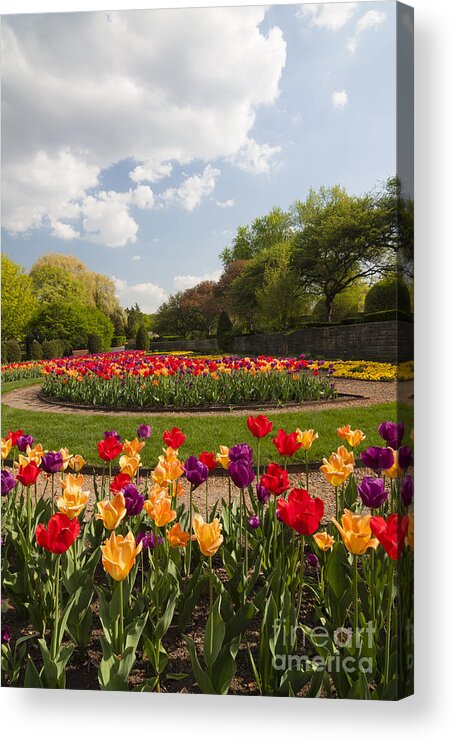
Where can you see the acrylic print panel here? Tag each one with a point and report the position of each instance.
(207, 360)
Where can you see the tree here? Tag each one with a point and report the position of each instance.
(52, 283)
(339, 240)
(142, 338)
(224, 334)
(72, 323)
(264, 232)
(18, 302)
(280, 300)
(202, 307)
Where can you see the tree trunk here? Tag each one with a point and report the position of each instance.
(329, 305)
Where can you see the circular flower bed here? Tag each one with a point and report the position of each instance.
(134, 379)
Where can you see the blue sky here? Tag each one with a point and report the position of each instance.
(140, 140)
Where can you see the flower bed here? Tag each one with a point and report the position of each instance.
(310, 606)
(132, 380)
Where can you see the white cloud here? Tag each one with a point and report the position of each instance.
(149, 296)
(372, 19)
(226, 204)
(339, 98)
(187, 282)
(136, 257)
(151, 171)
(106, 219)
(64, 231)
(83, 91)
(256, 158)
(143, 197)
(331, 16)
(191, 192)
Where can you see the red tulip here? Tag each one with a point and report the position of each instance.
(174, 438)
(391, 533)
(301, 512)
(109, 448)
(119, 482)
(28, 474)
(276, 479)
(259, 426)
(208, 459)
(60, 533)
(286, 443)
(14, 435)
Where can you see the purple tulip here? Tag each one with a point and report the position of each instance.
(241, 452)
(144, 432)
(24, 441)
(134, 501)
(254, 522)
(407, 491)
(195, 471)
(405, 457)
(241, 473)
(112, 434)
(372, 492)
(6, 636)
(312, 560)
(52, 462)
(378, 458)
(148, 541)
(262, 493)
(392, 433)
(8, 482)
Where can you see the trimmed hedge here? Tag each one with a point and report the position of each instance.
(388, 293)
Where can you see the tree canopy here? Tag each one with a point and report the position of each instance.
(18, 300)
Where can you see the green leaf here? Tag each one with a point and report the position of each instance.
(201, 677)
(214, 634)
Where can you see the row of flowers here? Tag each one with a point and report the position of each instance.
(269, 537)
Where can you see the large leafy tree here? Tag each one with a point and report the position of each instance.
(263, 233)
(72, 322)
(341, 239)
(18, 301)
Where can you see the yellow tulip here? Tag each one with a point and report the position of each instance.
(129, 465)
(111, 512)
(72, 481)
(34, 454)
(208, 535)
(157, 490)
(72, 502)
(223, 457)
(353, 437)
(306, 438)
(167, 471)
(347, 456)
(177, 537)
(160, 510)
(133, 448)
(355, 532)
(118, 555)
(394, 470)
(324, 540)
(77, 462)
(66, 456)
(6, 447)
(335, 470)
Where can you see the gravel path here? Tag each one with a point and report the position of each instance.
(370, 392)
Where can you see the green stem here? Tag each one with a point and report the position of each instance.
(307, 472)
(211, 604)
(302, 553)
(389, 623)
(56, 607)
(336, 505)
(246, 535)
(121, 630)
(258, 468)
(207, 500)
(29, 515)
(355, 596)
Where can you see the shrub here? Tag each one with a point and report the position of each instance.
(4, 351)
(13, 350)
(118, 340)
(142, 339)
(72, 323)
(388, 314)
(36, 351)
(53, 349)
(389, 293)
(345, 305)
(94, 343)
(224, 334)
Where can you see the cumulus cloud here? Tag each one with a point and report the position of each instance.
(339, 98)
(187, 282)
(331, 16)
(63, 231)
(226, 204)
(83, 91)
(372, 19)
(149, 296)
(191, 192)
(256, 158)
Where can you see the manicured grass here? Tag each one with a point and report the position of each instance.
(80, 433)
(10, 386)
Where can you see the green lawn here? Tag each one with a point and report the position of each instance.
(80, 433)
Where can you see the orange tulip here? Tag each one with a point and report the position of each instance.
(111, 512)
(352, 437)
(335, 470)
(133, 448)
(324, 540)
(223, 457)
(394, 470)
(208, 535)
(77, 462)
(160, 510)
(6, 447)
(177, 537)
(356, 532)
(118, 555)
(347, 456)
(306, 438)
(129, 465)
